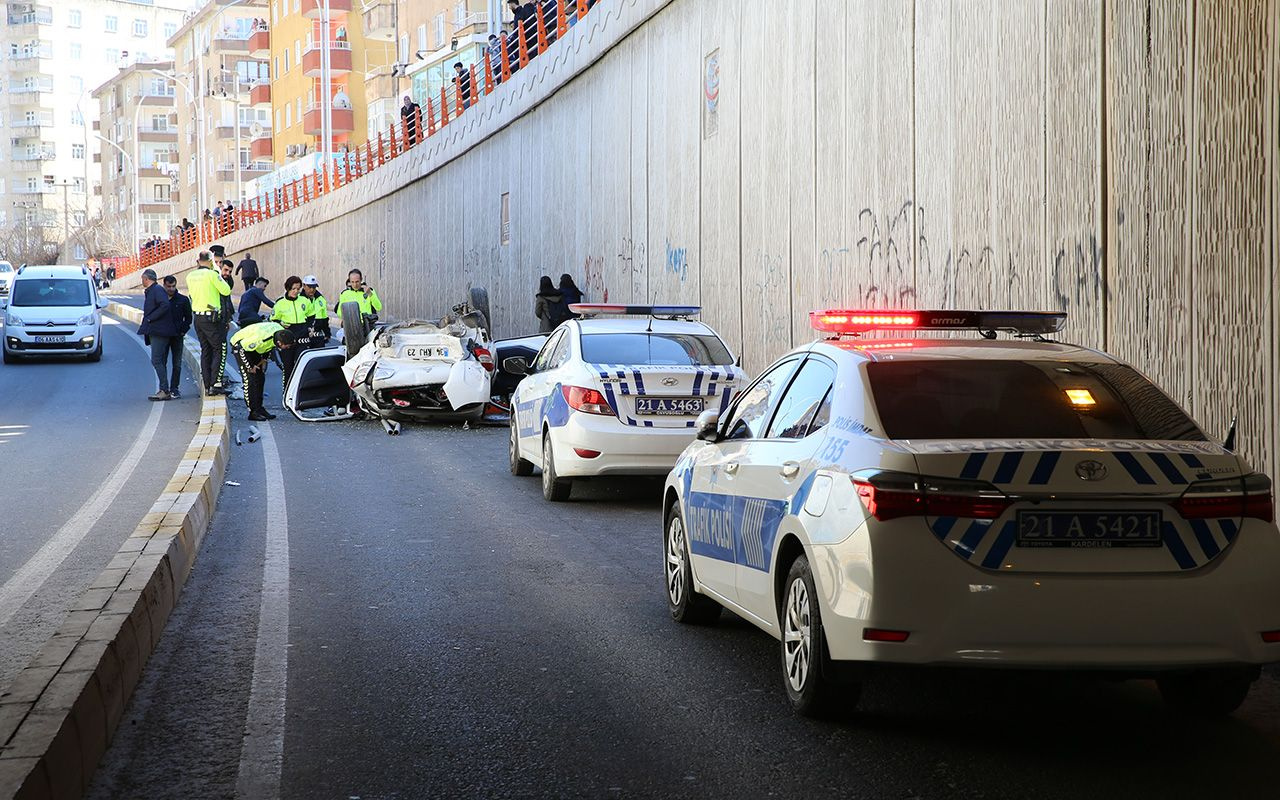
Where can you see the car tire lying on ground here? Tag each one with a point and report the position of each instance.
(353, 332)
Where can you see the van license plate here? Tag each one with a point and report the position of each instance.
(1086, 529)
(669, 406)
(50, 339)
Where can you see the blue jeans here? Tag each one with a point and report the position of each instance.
(165, 348)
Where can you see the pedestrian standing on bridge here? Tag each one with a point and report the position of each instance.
(251, 347)
(293, 313)
(206, 289)
(319, 312)
(409, 116)
(157, 329)
(181, 305)
(247, 269)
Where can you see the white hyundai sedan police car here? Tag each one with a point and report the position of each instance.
(617, 395)
(1012, 503)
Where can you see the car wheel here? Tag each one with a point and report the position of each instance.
(554, 488)
(478, 299)
(353, 333)
(686, 605)
(804, 670)
(96, 355)
(10, 358)
(1208, 692)
(520, 467)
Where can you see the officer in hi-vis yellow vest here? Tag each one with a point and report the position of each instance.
(251, 346)
(294, 313)
(206, 289)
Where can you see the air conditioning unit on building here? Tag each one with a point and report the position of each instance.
(302, 149)
(291, 150)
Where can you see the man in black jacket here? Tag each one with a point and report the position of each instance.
(409, 116)
(181, 312)
(247, 269)
(157, 329)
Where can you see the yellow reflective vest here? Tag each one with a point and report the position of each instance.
(318, 308)
(206, 288)
(368, 305)
(256, 338)
(292, 312)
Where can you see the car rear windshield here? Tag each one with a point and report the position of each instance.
(658, 349)
(50, 292)
(1002, 399)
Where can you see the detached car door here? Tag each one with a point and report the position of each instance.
(317, 382)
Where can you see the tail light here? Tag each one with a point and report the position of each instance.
(484, 357)
(889, 495)
(1249, 496)
(588, 401)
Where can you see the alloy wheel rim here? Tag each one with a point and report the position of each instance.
(675, 561)
(515, 447)
(795, 635)
(546, 462)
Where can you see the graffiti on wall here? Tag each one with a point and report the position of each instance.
(677, 261)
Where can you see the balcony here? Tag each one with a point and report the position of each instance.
(166, 134)
(41, 189)
(312, 8)
(260, 43)
(157, 99)
(230, 42)
(379, 84)
(339, 59)
(248, 171)
(29, 61)
(260, 94)
(26, 23)
(227, 130)
(344, 120)
(379, 20)
(261, 148)
(43, 83)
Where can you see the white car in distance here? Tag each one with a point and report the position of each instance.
(974, 502)
(616, 392)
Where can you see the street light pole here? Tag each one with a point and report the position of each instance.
(196, 100)
(133, 166)
(326, 91)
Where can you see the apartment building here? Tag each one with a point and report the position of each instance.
(296, 45)
(214, 76)
(139, 162)
(428, 37)
(55, 54)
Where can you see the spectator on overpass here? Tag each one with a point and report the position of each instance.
(247, 269)
(462, 83)
(409, 115)
(494, 53)
(525, 15)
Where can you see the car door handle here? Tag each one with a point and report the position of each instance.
(790, 469)
(731, 468)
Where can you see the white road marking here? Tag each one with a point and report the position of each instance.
(262, 751)
(33, 574)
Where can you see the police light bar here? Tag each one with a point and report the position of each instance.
(840, 321)
(595, 309)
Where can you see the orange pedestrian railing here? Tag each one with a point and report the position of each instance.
(549, 20)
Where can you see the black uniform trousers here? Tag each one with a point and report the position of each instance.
(254, 379)
(212, 335)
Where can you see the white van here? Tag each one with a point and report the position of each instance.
(52, 311)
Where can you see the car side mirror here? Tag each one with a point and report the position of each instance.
(708, 426)
(103, 302)
(516, 365)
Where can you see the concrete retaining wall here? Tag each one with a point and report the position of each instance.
(1116, 161)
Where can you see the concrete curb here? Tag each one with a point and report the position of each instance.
(60, 713)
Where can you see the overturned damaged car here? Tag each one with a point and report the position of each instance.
(416, 370)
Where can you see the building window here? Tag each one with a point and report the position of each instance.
(77, 217)
(77, 152)
(113, 56)
(439, 26)
(73, 18)
(80, 253)
(404, 49)
(140, 28)
(170, 29)
(160, 192)
(77, 185)
(76, 51)
(286, 61)
(112, 24)
(297, 52)
(278, 125)
(422, 36)
(299, 109)
(160, 122)
(77, 119)
(288, 116)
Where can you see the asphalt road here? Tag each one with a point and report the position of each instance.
(83, 456)
(447, 633)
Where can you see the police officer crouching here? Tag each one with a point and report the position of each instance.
(293, 313)
(252, 347)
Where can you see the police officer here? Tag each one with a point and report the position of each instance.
(358, 291)
(293, 313)
(252, 346)
(206, 288)
(319, 311)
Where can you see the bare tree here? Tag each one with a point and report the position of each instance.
(25, 243)
(105, 237)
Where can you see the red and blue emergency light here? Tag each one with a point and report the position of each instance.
(596, 309)
(846, 321)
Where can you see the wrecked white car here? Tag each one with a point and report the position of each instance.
(414, 370)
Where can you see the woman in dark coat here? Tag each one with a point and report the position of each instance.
(549, 306)
(572, 294)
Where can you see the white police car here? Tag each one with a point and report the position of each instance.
(1014, 503)
(617, 395)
